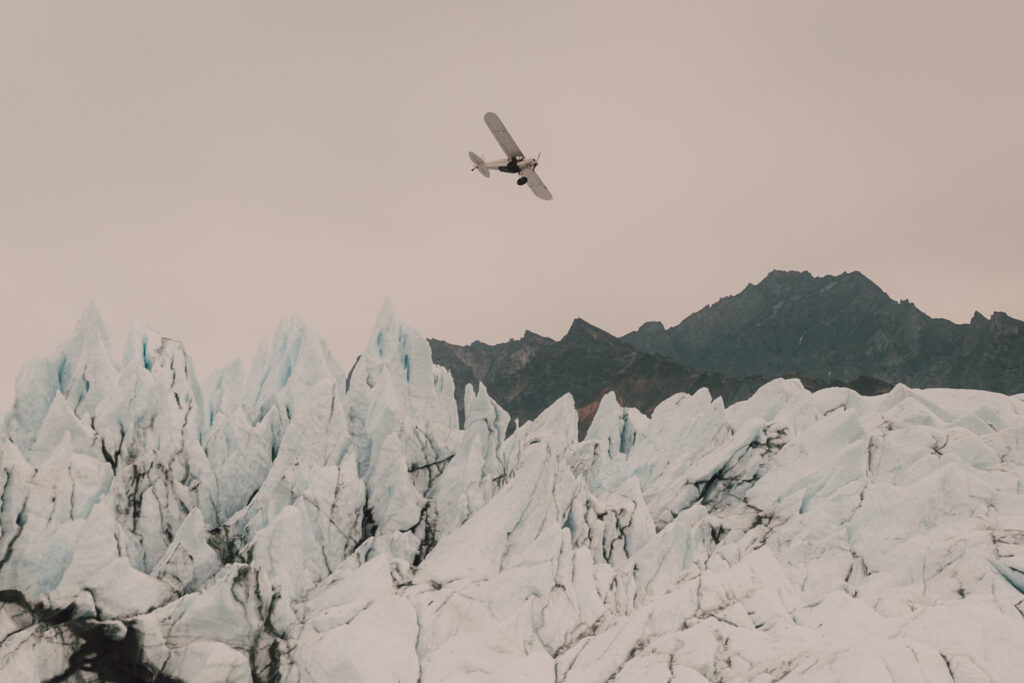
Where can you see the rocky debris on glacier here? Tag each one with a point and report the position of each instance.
(277, 524)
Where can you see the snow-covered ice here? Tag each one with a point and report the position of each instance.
(286, 523)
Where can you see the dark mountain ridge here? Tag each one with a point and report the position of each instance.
(529, 374)
(840, 327)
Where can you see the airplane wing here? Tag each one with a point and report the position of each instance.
(502, 136)
(535, 183)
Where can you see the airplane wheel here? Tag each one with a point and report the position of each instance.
(521, 181)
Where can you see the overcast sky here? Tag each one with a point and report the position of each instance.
(212, 167)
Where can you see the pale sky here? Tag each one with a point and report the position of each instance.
(210, 168)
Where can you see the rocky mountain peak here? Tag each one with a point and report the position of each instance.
(654, 326)
(531, 337)
(582, 331)
(840, 327)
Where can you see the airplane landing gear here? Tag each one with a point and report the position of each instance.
(521, 181)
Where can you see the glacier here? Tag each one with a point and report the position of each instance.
(286, 522)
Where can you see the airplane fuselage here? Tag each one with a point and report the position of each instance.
(512, 165)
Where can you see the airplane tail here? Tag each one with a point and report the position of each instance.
(478, 165)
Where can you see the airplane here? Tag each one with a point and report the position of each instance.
(516, 161)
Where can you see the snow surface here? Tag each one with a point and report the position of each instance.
(276, 524)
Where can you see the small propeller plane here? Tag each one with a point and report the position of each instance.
(516, 161)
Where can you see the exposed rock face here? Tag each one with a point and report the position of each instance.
(840, 328)
(277, 526)
(495, 365)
